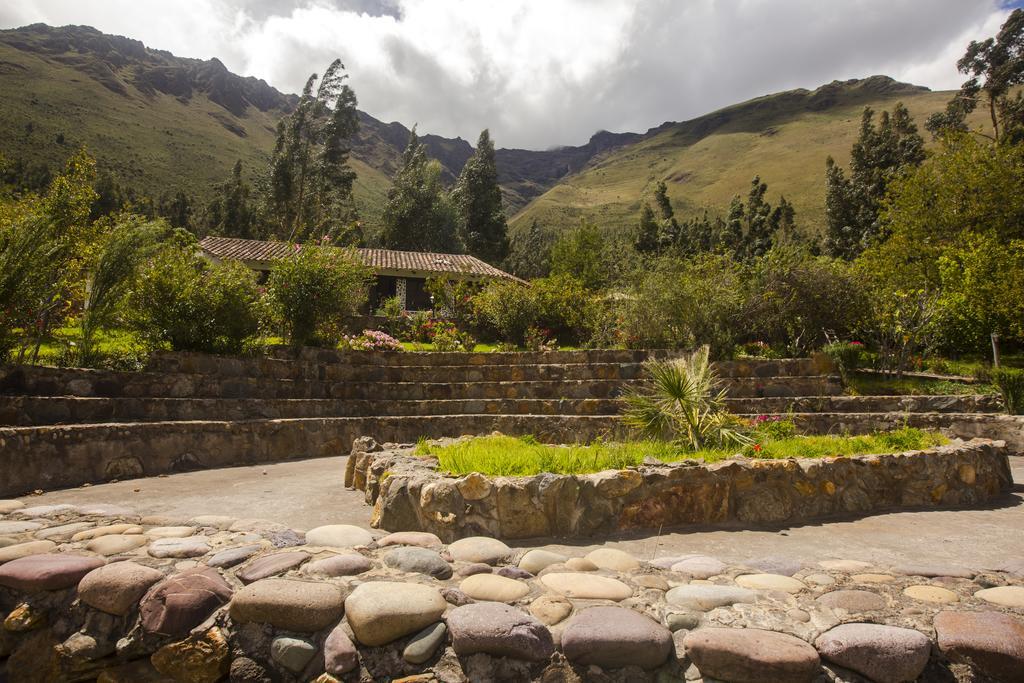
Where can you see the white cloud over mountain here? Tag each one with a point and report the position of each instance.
(545, 73)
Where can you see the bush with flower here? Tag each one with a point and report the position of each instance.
(370, 340)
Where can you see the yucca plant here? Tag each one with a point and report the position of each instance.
(684, 402)
(1011, 386)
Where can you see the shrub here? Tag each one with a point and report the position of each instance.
(684, 402)
(314, 290)
(183, 301)
(505, 310)
(371, 340)
(685, 304)
(449, 338)
(1011, 386)
(539, 339)
(845, 355)
(397, 320)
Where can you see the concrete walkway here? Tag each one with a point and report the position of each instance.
(309, 493)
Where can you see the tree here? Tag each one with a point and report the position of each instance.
(881, 154)
(583, 253)
(648, 238)
(232, 212)
(177, 209)
(112, 273)
(994, 67)
(531, 253)
(750, 228)
(669, 232)
(418, 215)
(310, 180)
(477, 200)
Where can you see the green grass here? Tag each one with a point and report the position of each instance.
(524, 456)
(870, 384)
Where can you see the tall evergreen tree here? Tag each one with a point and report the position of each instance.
(418, 215)
(477, 200)
(648, 238)
(232, 212)
(669, 232)
(881, 153)
(531, 253)
(311, 182)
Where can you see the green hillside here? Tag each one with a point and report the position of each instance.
(158, 123)
(785, 138)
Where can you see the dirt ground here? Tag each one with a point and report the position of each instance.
(309, 493)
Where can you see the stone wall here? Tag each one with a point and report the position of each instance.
(408, 494)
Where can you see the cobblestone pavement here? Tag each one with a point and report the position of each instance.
(308, 493)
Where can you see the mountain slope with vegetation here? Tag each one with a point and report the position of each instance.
(785, 138)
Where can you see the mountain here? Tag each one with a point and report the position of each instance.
(785, 138)
(161, 123)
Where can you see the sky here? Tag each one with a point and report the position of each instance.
(542, 73)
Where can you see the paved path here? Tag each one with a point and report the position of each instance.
(309, 493)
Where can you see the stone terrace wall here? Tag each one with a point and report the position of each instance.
(408, 493)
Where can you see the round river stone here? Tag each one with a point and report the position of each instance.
(750, 655)
(535, 560)
(615, 560)
(18, 550)
(479, 549)
(885, 654)
(179, 603)
(382, 611)
(47, 572)
(584, 586)
(116, 588)
(1006, 596)
(700, 566)
(493, 587)
(339, 565)
(290, 605)
(421, 539)
(270, 565)
(499, 630)
(419, 561)
(178, 547)
(931, 594)
(706, 598)
(991, 641)
(115, 544)
(339, 536)
(614, 637)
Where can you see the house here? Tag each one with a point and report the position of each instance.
(396, 273)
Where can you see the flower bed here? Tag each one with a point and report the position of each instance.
(409, 493)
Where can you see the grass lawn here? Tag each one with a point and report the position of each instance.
(524, 456)
(479, 348)
(870, 384)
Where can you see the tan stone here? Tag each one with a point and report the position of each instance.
(580, 564)
(615, 560)
(382, 611)
(584, 586)
(844, 565)
(19, 550)
(494, 588)
(652, 581)
(203, 659)
(551, 609)
(930, 594)
(1006, 596)
(10, 506)
(966, 473)
(24, 618)
(171, 532)
(115, 544)
(617, 483)
(474, 486)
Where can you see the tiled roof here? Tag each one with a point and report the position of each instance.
(377, 259)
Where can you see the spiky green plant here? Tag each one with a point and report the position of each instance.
(684, 401)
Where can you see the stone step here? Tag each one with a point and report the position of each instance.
(867, 404)
(53, 457)
(25, 411)
(1008, 428)
(475, 367)
(46, 381)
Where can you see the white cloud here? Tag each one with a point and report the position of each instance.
(551, 72)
